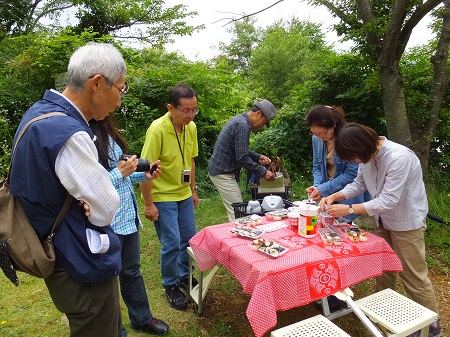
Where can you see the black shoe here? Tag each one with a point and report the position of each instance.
(184, 283)
(154, 327)
(176, 298)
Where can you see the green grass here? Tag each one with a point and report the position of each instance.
(29, 311)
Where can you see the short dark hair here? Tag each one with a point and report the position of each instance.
(356, 141)
(326, 117)
(180, 90)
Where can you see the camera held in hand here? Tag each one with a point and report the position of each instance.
(143, 164)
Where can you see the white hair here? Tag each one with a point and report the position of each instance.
(92, 59)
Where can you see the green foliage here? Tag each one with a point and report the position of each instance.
(286, 139)
(345, 80)
(28, 66)
(417, 72)
(245, 37)
(145, 20)
(153, 72)
(438, 234)
(299, 50)
(148, 21)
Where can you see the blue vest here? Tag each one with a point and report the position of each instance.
(41, 194)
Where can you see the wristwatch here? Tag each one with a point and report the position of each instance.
(194, 188)
(350, 209)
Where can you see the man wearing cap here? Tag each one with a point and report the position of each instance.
(231, 153)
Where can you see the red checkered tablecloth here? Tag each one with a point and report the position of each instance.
(308, 271)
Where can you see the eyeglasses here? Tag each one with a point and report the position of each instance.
(319, 134)
(193, 111)
(122, 92)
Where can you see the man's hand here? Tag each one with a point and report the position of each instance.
(86, 208)
(269, 176)
(151, 212)
(195, 198)
(263, 160)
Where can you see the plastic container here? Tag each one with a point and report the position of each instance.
(325, 219)
(308, 220)
(253, 207)
(294, 218)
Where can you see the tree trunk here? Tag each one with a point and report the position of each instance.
(439, 85)
(394, 105)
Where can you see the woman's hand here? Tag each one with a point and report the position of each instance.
(314, 193)
(128, 166)
(156, 173)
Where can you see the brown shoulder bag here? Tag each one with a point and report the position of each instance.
(20, 247)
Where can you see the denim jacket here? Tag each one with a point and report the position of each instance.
(344, 173)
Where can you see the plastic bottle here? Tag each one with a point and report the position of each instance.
(308, 220)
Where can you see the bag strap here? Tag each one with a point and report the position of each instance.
(35, 119)
(19, 136)
(61, 214)
(69, 197)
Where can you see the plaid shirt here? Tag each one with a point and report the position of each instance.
(231, 150)
(126, 217)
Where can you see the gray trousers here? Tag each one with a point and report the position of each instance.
(93, 309)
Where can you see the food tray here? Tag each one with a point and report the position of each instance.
(246, 232)
(249, 221)
(268, 247)
(240, 208)
(330, 237)
(277, 214)
(355, 234)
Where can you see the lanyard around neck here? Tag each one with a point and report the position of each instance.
(183, 131)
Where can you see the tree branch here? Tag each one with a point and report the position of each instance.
(248, 15)
(414, 19)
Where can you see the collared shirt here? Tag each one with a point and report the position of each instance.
(79, 171)
(176, 152)
(394, 179)
(127, 217)
(231, 149)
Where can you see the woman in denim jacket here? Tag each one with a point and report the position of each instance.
(330, 172)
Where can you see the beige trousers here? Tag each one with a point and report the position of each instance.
(410, 248)
(229, 191)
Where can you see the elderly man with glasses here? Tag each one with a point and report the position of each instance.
(57, 156)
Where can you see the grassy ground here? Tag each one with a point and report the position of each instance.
(29, 311)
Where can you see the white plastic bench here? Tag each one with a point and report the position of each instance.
(396, 314)
(314, 326)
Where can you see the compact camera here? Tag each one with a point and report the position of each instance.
(143, 164)
(186, 176)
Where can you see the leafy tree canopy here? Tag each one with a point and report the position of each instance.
(143, 20)
(288, 54)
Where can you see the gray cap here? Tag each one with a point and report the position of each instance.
(267, 109)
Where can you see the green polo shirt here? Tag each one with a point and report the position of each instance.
(161, 143)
